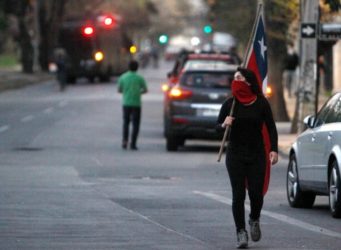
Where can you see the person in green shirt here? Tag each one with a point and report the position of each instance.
(132, 86)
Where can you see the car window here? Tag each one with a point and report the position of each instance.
(206, 64)
(327, 112)
(336, 114)
(207, 79)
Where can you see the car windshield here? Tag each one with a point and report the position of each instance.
(207, 79)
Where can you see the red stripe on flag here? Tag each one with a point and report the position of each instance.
(252, 65)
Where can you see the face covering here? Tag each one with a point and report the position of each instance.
(242, 91)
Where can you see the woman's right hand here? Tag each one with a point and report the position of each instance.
(228, 121)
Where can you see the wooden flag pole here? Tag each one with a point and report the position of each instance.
(246, 55)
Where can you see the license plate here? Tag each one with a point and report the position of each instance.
(208, 112)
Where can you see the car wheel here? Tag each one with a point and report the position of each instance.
(335, 191)
(171, 143)
(296, 197)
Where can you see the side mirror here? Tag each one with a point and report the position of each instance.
(309, 121)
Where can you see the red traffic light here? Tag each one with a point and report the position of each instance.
(88, 30)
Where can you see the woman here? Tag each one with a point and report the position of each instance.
(245, 158)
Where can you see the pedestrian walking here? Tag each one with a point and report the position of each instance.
(245, 157)
(61, 62)
(132, 86)
(291, 63)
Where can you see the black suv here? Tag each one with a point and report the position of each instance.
(191, 107)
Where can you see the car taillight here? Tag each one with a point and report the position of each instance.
(179, 93)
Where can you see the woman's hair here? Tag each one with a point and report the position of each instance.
(251, 78)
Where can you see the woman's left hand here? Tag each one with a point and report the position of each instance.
(273, 157)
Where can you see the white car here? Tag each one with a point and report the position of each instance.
(315, 159)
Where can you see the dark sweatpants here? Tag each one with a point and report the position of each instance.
(131, 114)
(242, 165)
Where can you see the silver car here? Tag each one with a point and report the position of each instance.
(315, 159)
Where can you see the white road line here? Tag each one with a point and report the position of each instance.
(4, 128)
(48, 110)
(277, 216)
(27, 118)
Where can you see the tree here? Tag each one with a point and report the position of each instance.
(22, 10)
(50, 14)
(279, 15)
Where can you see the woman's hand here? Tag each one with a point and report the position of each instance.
(228, 121)
(273, 157)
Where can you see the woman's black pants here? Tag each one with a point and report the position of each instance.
(246, 168)
(131, 114)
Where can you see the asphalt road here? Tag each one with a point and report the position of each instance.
(65, 182)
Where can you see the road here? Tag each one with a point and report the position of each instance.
(65, 182)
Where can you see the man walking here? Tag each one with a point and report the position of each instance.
(291, 63)
(132, 86)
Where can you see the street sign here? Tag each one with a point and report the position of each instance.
(330, 31)
(308, 30)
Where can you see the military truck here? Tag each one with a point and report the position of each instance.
(95, 47)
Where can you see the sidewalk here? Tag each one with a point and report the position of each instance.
(285, 139)
(13, 78)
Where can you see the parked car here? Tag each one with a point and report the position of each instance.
(315, 159)
(186, 57)
(191, 107)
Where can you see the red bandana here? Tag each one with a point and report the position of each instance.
(242, 91)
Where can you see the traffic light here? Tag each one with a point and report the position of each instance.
(88, 30)
(163, 39)
(207, 29)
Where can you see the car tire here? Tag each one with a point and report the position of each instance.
(172, 143)
(296, 197)
(335, 190)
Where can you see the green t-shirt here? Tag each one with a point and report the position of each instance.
(132, 85)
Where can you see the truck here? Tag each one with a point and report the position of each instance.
(94, 47)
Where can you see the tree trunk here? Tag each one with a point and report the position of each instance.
(27, 52)
(50, 18)
(275, 81)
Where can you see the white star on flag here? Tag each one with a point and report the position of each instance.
(263, 48)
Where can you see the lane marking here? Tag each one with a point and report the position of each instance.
(4, 128)
(48, 110)
(277, 216)
(27, 118)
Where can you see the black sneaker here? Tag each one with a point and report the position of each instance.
(255, 232)
(242, 239)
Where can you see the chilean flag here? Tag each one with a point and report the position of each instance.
(256, 60)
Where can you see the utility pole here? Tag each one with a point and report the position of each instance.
(307, 88)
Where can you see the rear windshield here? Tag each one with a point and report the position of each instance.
(207, 79)
(206, 64)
